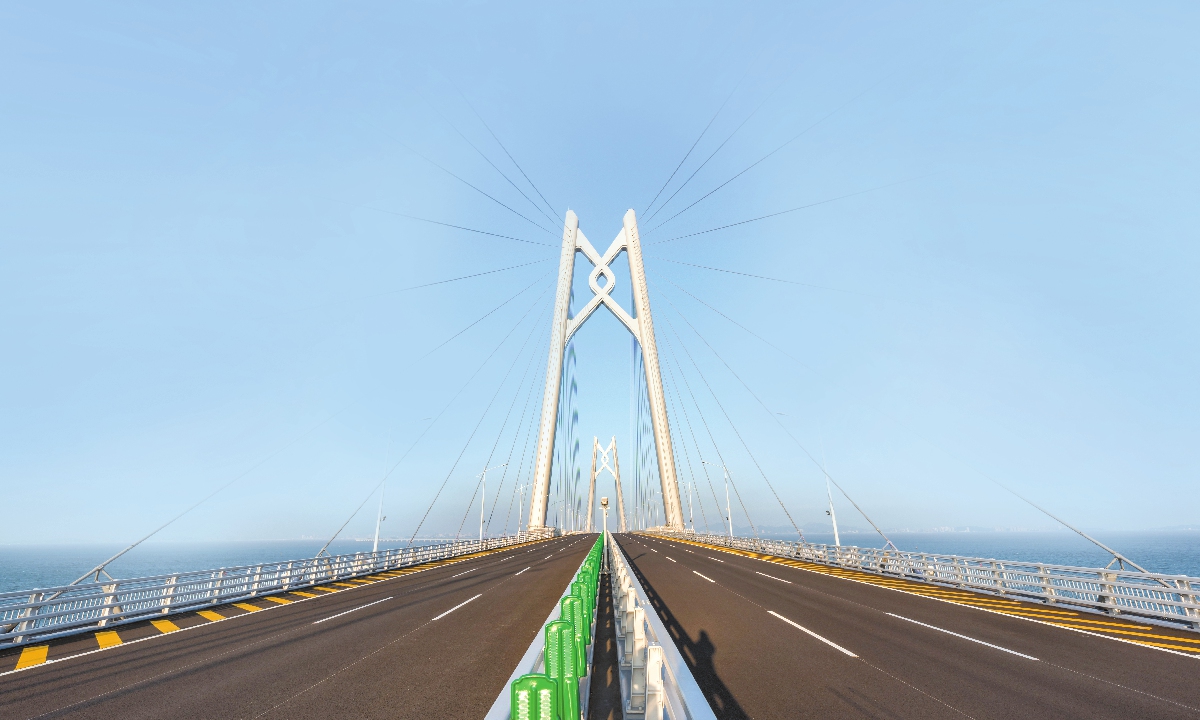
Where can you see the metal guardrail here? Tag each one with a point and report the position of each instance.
(655, 681)
(43, 614)
(1167, 599)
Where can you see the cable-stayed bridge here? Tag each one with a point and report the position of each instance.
(658, 620)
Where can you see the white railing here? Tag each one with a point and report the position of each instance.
(1170, 599)
(655, 681)
(42, 614)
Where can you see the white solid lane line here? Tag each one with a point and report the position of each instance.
(464, 572)
(705, 577)
(789, 582)
(830, 643)
(439, 617)
(522, 571)
(360, 607)
(964, 637)
(669, 558)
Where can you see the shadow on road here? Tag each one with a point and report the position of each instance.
(698, 654)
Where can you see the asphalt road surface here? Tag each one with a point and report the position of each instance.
(771, 640)
(440, 642)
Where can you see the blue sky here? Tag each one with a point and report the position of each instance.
(206, 254)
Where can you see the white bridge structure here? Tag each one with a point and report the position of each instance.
(641, 326)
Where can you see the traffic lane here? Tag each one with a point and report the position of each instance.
(748, 668)
(980, 680)
(225, 685)
(60, 649)
(1099, 659)
(237, 627)
(258, 658)
(456, 673)
(1120, 628)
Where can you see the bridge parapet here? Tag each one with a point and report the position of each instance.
(1165, 599)
(43, 614)
(655, 680)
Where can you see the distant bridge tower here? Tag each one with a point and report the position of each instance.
(642, 327)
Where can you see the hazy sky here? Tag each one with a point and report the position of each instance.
(206, 254)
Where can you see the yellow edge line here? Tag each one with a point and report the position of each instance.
(898, 586)
(30, 654)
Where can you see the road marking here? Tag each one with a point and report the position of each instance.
(980, 601)
(164, 626)
(964, 637)
(464, 572)
(345, 585)
(521, 572)
(439, 617)
(789, 582)
(34, 655)
(210, 615)
(279, 600)
(705, 577)
(653, 550)
(108, 638)
(305, 594)
(713, 558)
(247, 607)
(669, 558)
(360, 607)
(830, 643)
(325, 589)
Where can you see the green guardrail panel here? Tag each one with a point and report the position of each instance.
(572, 611)
(558, 633)
(535, 697)
(561, 661)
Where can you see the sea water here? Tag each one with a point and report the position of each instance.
(25, 567)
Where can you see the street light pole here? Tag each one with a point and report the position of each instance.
(728, 514)
(483, 500)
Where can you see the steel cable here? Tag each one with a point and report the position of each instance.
(502, 147)
(489, 162)
(447, 406)
(764, 157)
(707, 428)
(725, 412)
(456, 227)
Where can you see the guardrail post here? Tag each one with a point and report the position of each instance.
(26, 615)
(254, 585)
(1187, 597)
(1107, 595)
(1047, 585)
(655, 693)
(168, 595)
(110, 596)
(637, 651)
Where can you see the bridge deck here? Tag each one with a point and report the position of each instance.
(389, 659)
(752, 663)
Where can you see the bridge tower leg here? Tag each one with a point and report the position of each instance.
(591, 511)
(563, 327)
(616, 471)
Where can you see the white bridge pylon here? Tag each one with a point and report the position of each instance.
(563, 327)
